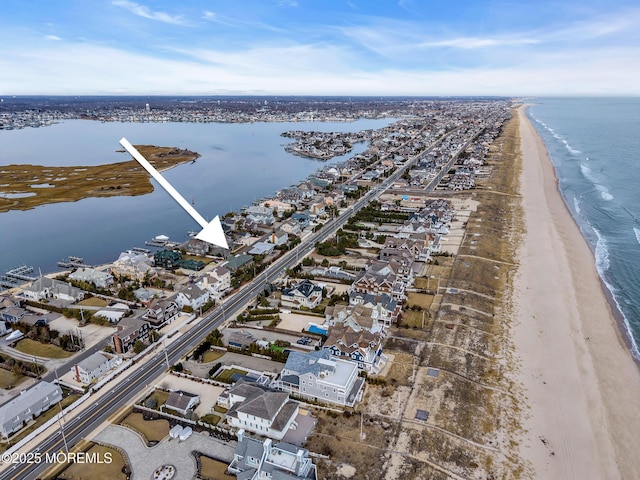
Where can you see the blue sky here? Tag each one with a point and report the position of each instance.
(320, 47)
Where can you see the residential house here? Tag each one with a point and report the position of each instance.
(184, 403)
(388, 309)
(302, 218)
(279, 237)
(358, 317)
(260, 410)
(256, 460)
(134, 265)
(93, 367)
(317, 209)
(322, 377)
(167, 259)
(292, 227)
(281, 207)
(128, 331)
(16, 413)
(304, 294)
(261, 248)
(216, 282)
(161, 311)
(193, 296)
(239, 261)
(196, 247)
(260, 215)
(45, 287)
(91, 275)
(362, 347)
(418, 248)
(241, 339)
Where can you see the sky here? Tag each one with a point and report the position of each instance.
(320, 47)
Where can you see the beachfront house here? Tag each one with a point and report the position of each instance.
(256, 460)
(44, 288)
(320, 376)
(90, 275)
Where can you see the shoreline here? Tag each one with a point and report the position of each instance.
(574, 363)
(626, 335)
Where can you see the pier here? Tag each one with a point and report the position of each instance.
(17, 276)
(72, 262)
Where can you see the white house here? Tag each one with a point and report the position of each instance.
(279, 237)
(45, 287)
(217, 282)
(260, 215)
(256, 460)
(94, 366)
(261, 410)
(322, 377)
(91, 275)
(305, 294)
(193, 296)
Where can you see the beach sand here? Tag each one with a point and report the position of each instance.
(579, 379)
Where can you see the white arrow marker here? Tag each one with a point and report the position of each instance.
(211, 232)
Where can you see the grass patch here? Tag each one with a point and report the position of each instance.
(421, 299)
(31, 347)
(411, 319)
(219, 409)
(9, 379)
(225, 375)
(93, 302)
(212, 469)
(54, 410)
(211, 419)
(211, 356)
(91, 471)
(160, 396)
(195, 258)
(152, 430)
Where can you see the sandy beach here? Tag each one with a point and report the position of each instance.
(581, 384)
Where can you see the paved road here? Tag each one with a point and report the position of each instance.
(129, 387)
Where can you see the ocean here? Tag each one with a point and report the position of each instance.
(594, 144)
(239, 163)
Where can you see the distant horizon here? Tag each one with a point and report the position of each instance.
(335, 47)
(318, 95)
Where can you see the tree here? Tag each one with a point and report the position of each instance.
(153, 336)
(138, 346)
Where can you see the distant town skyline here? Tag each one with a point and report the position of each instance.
(304, 47)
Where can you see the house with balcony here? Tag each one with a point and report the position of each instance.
(362, 347)
(128, 331)
(305, 294)
(320, 376)
(93, 367)
(193, 296)
(256, 460)
(161, 311)
(260, 215)
(90, 275)
(260, 410)
(216, 282)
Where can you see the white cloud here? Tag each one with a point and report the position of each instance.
(474, 42)
(52, 37)
(145, 12)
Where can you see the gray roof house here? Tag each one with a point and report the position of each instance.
(91, 275)
(182, 402)
(94, 366)
(45, 287)
(254, 460)
(16, 413)
(321, 376)
(305, 294)
(260, 410)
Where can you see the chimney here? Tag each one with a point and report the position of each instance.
(267, 447)
(77, 373)
(240, 435)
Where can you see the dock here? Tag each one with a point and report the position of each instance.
(17, 276)
(72, 262)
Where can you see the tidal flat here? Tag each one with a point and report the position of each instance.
(23, 187)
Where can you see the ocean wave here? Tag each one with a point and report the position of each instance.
(604, 192)
(576, 205)
(572, 150)
(587, 173)
(637, 232)
(602, 254)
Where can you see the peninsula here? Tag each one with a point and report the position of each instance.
(27, 186)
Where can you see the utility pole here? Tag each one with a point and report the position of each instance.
(166, 356)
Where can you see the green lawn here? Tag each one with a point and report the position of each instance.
(93, 302)
(212, 356)
(225, 376)
(153, 430)
(211, 419)
(31, 347)
(9, 379)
